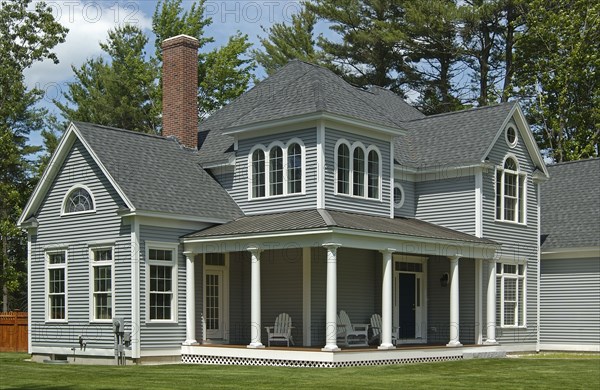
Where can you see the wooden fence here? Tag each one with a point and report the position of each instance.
(13, 331)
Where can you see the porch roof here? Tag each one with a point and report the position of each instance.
(321, 219)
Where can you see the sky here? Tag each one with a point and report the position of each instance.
(89, 21)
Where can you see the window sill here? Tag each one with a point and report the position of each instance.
(65, 321)
(502, 221)
(161, 322)
(513, 327)
(357, 197)
(283, 196)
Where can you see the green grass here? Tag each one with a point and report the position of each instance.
(513, 373)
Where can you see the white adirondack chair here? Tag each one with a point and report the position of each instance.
(376, 329)
(351, 335)
(281, 331)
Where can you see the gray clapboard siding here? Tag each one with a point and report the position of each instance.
(76, 232)
(518, 241)
(239, 298)
(225, 176)
(357, 281)
(570, 301)
(241, 179)
(447, 202)
(438, 301)
(281, 289)
(161, 335)
(350, 203)
(408, 207)
(466, 282)
(318, 295)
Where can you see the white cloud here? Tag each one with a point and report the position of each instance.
(88, 23)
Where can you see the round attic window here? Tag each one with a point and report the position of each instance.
(511, 136)
(398, 196)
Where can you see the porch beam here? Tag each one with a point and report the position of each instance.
(190, 300)
(491, 304)
(386, 300)
(255, 310)
(454, 303)
(331, 306)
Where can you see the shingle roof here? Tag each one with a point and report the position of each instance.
(570, 205)
(322, 219)
(157, 174)
(300, 88)
(460, 137)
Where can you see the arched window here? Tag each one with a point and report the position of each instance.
(258, 173)
(373, 175)
(78, 200)
(276, 171)
(358, 170)
(343, 169)
(510, 192)
(294, 168)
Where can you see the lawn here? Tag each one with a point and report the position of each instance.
(514, 373)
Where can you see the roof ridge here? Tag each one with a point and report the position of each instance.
(573, 162)
(468, 110)
(122, 130)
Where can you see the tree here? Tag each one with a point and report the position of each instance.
(223, 73)
(27, 35)
(119, 93)
(557, 73)
(431, 28)
(371, 48)
(287, 42)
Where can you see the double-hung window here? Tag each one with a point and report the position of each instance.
(358, 170)
(276, 170)
(511, 193)
(56, 285)
(162, 281)
(510, 293)
(102, 283)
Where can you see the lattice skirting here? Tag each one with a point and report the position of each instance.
(240, 361)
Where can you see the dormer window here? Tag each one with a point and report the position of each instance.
(511, 192)
(358, 167)
(276, 170)
(78, 200)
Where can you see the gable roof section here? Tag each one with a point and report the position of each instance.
(150, 173)
(461, 138)
(157, 174)
(324, 219)
(570, 205)
(454, 138)
(298, 89)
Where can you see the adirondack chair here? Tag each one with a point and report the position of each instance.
(376, 330)
(351, 335)
(281, 331)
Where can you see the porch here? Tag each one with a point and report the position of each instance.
(315, 358)
(239, 279)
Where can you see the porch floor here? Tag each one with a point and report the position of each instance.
(346, 357)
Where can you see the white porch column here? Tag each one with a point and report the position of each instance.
(255, 312)
(491, 304)
(386, 300)
(331, 308)
(454, 303)
(190, 300)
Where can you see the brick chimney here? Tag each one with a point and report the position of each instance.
(180, 89)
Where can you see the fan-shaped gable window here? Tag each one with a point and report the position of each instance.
(78, 200)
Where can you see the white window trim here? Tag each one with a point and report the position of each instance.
(267, 169)
(521, 203)
(511, 145)
(379, 173)
(174, 247)
(366, 151)
(225, 298)
(399, 186)
(63, 211)
(94, 264)
(49, 266)
(522, 300)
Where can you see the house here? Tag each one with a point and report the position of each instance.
(570, 265)
(304, 196)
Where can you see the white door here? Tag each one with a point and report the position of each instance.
(213, 304)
